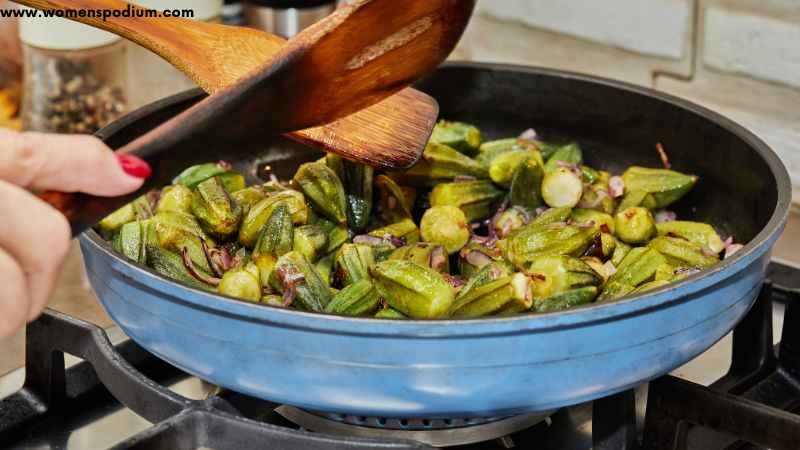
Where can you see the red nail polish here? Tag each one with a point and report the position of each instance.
(133, 166)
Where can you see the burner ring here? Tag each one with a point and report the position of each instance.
(435, 432)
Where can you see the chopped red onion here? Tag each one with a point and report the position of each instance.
(616, 187)
(289, 278)
(707, 251)
(438, 258)
(731, 249)
(663, 155)
(199, 275)
(477, 258)
(665, 216)
(591, 204)
(461, 178)
(529, 135)
(225, 165)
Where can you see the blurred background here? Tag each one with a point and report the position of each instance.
(738, 57)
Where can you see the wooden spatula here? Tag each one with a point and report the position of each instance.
(390, 134)
(351, 60)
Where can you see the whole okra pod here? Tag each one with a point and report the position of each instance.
(412, 289)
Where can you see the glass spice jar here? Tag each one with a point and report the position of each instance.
(74, 76)
(152, 78)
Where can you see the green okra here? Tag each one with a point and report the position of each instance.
(534, 240)
(562, 188)
(276, 239)
(394, 206)
(446, 225)
(352, 262)
(569, 154)
(510, 220)
(414, 290)
(426, 254)
(325, 268)
(324, 190)
(247, 198)
(697, 232)
(554, 274)
(242, 283)
(357, 180)
(638, 266)
(475, 198)
(391, 314)
(601, 219)
(503, 166)
(216, 212)
(296, 277)
(405, 230)
(357, 299)
(525, 189)
(621, 250)
(663, 186)
(311, 241)
(258, 215)
(683, 253)
(176, 198)
(567, 299)
(459, 135)
(635, 225)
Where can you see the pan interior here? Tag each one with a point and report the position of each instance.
(737, 191)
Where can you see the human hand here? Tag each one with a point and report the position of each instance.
(35, 237)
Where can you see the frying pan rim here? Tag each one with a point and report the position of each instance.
(598, 312)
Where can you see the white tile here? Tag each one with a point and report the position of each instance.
(654, 27)
(759, 46)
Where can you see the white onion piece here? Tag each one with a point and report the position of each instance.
(665, 216)
(616, 187)
(529, 134)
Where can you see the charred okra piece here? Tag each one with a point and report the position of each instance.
(357, 299)
(176, 198)
(568, 155)
(650, 285)
(655, 188)
(352, 263)
(180, 232)
(403, 233)
(325, 268)
(489, 151)
(596, 197)
(635, 225)
(311, 241)
(276, 239)
(242, 283)
(324, 190)
(231, 180)
(258, 215)
(525, 190)
(217, 213)
(445, 225)
(621, 250)
(492, 289)
(425, 254)
(475, 198)
(300, 283)
(683, 253)
(459, 135)
(357, 180)
(697, 232)
(171, 265)
(414, 290)
(562, 188)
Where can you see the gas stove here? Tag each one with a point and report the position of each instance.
(88, 388)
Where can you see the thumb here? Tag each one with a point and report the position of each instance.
(68, 163)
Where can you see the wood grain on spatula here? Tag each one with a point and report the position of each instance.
(351, 60)
(389, 135)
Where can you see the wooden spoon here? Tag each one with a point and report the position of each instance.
(351, 60)
(390, 134)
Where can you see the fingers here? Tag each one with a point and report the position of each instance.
(37, 236)
(77, 163)
(14, 301)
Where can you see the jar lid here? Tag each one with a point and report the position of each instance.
(202, 9)
(55, 33)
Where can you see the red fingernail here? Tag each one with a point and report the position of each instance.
(133, 166)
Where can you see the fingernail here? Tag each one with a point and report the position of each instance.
(133, 166)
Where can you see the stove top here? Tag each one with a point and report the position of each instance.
(88, 388)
